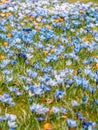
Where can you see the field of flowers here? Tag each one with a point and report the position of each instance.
(48, 65)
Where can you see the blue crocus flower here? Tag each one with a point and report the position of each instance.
(77, 49)
(58, 94)
(74, 103)
(78, 80)
(85, 124)
(27, 29)
(68, 86)
(55, 109)
(13, 89)
(4, 63)
(38, 109)
(40, 118)
(13, 62)
(97, 72)
(84, 100)
(79, 115)
(97, 81)
(31, 73)
(85, 87)
(96, 36)
(46, 33)
(92, 89)
(3, 118)
(12, 124)
(36, 90)
(78, 71)
(63, 110)
(46, 77)
(45, 88)
(71, 123)
(36, 65)
(7, 72)
(22, 55)
(6, 98)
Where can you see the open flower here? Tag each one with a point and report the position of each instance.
(71, 123)
(58, 94)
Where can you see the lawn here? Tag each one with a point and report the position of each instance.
(48, 65)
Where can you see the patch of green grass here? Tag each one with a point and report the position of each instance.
(84, 1)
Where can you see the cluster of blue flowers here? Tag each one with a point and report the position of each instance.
(6, 98)
(49, 47)
(11, 120)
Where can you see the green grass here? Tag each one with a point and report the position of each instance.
(84, 1)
